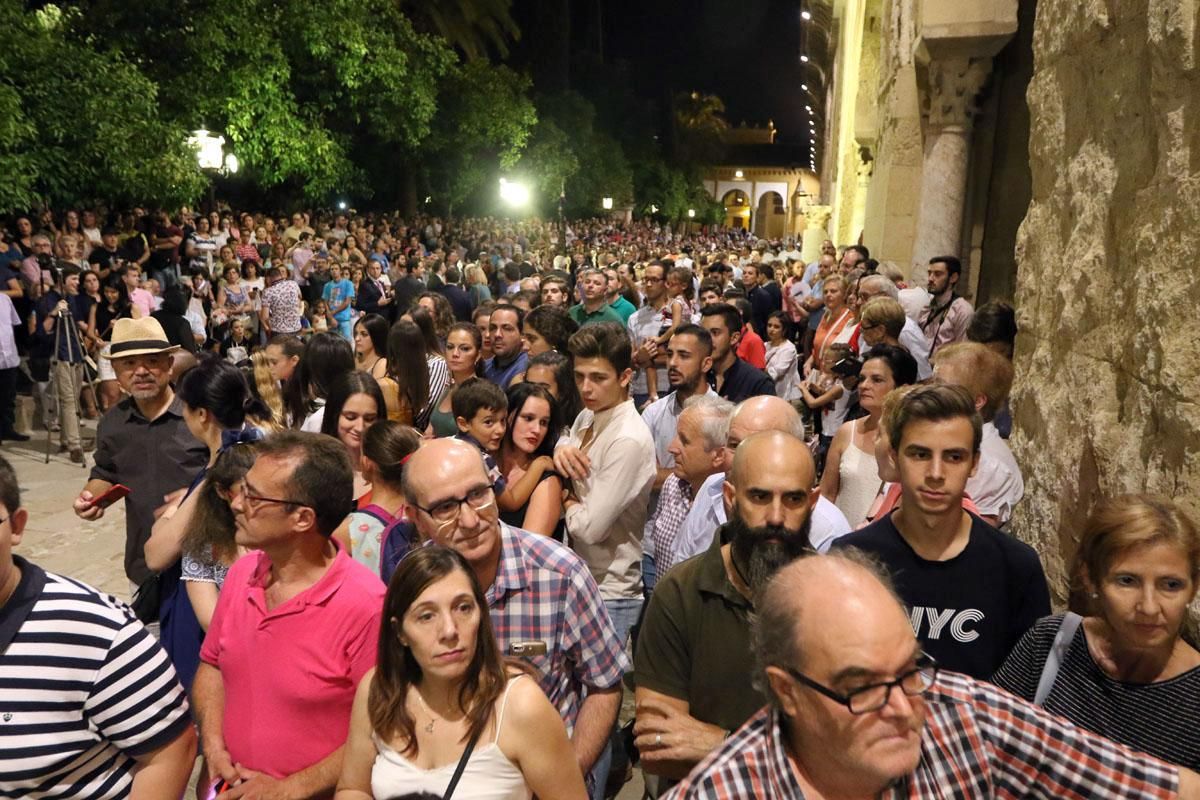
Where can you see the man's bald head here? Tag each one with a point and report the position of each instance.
(757, 414)
(772, 451)
(817, 597)
(436, 463)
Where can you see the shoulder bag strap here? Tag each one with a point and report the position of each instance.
(462, 765)
(1058, 653)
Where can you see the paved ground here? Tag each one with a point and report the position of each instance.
(92, 552)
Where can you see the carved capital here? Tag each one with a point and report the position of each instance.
(953, 88)
(818, 216)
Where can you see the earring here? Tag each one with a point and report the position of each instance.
(1095, 595)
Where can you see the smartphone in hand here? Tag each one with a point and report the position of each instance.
(117, 492)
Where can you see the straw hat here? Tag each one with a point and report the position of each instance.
(138, 337)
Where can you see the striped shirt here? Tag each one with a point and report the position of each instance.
(84, 690)
(978, 742)
(543, 592)
(1156, 718)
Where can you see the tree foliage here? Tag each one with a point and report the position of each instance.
(78, 125)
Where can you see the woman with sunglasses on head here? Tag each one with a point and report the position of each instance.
(441, 701)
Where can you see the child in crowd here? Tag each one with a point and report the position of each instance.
(386, 446)
(235, 347)
(318, 317)
(480, 410)
(826, 396)
(678, 311)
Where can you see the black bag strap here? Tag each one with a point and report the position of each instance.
(462, 765)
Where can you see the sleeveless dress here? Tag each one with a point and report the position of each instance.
(858, 481)
(489, 774)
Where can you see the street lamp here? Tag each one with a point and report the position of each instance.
(691, 213)
(208, 147)
(513, 193)
(739, 174)
(607, 203)
(342, 205)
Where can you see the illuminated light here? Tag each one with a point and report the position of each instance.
(342, 205)
(231, 163)
(805, 15)
(739, 174)
(691, 213)
(804, 59)
(513, 193)
(804, 87)
(607, 203)
(208, 148)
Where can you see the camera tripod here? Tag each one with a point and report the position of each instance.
(66, 320)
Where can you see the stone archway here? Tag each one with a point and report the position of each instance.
(738, 211)
(770, 217)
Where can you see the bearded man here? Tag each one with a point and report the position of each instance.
(693, 655)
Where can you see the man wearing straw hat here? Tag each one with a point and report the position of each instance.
(142, 442)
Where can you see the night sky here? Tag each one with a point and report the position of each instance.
(747, 52)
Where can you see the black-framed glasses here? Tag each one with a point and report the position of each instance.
(865, 699)
(445, 512)
(255, 502)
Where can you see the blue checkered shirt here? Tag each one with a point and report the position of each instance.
(544, 592)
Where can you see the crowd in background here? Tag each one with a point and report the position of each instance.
(411, 503)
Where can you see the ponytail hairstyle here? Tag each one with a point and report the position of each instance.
(221, 389)
(387, 445)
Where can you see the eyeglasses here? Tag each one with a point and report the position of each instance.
(875, 696)
(254, 502)
(446, 512)
(648, 279)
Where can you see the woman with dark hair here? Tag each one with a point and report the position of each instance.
(781, 358)
(552, 370)
(441, 693)
(406, 387)
(370, 345)
(326, 357)
(439, 310)
(355, 402)
(385, 447)
(528, 447)
(547, 328)
(103, 315)
(439, 374)
(217, 405)
(464, 346)
(851, 478)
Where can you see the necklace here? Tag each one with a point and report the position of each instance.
(428, 710)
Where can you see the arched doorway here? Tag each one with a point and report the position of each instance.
(737, 209)
(770, 221)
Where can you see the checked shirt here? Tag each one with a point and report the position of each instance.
(544, 592)
(979, 742)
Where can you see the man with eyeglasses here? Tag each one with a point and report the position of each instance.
(858, 710)
(295, 629)
(544, 604)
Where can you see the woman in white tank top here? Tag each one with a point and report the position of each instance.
(851, 478)
(440, 687)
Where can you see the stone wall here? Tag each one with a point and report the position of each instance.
(1108, 383)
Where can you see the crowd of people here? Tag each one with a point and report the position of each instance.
(411, 504)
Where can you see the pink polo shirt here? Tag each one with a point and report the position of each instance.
(290, 673)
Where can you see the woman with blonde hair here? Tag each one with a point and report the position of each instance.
(1123, 669)
(266, 387)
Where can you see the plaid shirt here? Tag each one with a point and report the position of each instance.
(543, 592)
(674, 502)
(978, 741)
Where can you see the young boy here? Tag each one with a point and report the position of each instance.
(481, 411)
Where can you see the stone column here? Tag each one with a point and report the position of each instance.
(953, 87)
(816, 231)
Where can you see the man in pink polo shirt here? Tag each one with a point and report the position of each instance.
(296, 627)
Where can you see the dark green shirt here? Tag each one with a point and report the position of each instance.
(605, 313)
(695, 642)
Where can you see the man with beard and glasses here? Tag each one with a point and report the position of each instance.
(693, 653)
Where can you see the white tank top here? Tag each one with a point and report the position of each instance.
(858, 481)
(489, 774)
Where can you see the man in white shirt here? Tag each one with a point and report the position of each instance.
(609, 457)
(709, 512)
(645, 325)
(689, 358)
(997, 486)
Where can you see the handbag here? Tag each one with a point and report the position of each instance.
(1058, 652)
(147, 599)
(462, 765)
